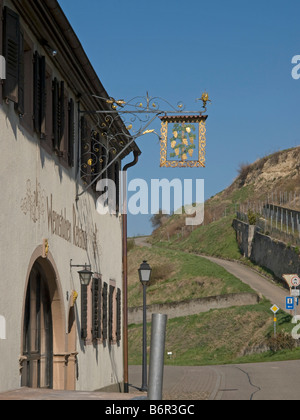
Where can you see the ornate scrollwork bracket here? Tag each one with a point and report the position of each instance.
(117, 124)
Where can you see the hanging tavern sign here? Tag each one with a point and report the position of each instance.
(183, 141)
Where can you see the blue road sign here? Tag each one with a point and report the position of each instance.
(290, 304)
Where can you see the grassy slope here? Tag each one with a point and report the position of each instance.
(218, 336)
(217, 239)
(178, 276)
(215, 337)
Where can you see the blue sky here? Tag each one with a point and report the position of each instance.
(240, 51)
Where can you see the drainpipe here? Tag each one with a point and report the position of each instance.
(125, 270)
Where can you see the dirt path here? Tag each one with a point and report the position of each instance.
(142, 241)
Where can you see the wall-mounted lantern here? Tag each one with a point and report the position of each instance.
(85, 275)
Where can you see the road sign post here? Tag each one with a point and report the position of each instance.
(290, 303)
(274, 309)
(293, 280)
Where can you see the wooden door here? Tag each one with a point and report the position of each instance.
(38, 337)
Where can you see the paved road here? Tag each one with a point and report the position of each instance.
(258, 381)
(260, 284)
(257, 282)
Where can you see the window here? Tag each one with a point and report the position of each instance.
(95, 157)
(26, 119)
(42, 103)
(101, 312)
(96, 309)
(13, 53)
(71, 132)
(85, 151)
(119, 316)
(58, 114)
(84, 312)
(48, 120)
(112, 314)
(115, 316)
(63, 123)
(64, 144)
(39, 94)
(104, 313)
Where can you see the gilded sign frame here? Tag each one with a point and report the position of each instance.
(183, 161)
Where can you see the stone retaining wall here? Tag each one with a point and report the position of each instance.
(267, 252)
(192, 307)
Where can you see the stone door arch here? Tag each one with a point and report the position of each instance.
(43, 352)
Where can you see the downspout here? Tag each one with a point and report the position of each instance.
(125, 269)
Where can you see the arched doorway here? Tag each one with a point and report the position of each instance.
(37, 369)
(44, 348)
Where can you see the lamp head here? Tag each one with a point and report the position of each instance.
(85, 276)
(145, 272)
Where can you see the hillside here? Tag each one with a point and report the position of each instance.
(272, 179)
(234, 335)
(178, 276)
(237, 334)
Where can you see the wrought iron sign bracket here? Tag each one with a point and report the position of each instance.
(109, 136)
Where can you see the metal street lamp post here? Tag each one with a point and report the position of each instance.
(145, 275)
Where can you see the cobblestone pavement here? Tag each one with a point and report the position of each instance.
(278, 381)
(45, 395)
(184, 383)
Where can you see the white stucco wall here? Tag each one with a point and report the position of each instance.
(29, 176)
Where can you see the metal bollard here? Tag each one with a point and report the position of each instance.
(157, 352)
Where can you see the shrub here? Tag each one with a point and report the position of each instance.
(243, 170)
(252, 217)
(160, 272)
(158, 219)
(282, 341)
(130, 244)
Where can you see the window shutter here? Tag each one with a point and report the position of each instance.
(55, 113)
(119, 316)
(100, 310)
(96, 311)
(111, 314)
(85, 150)
(58, 113)
(37, 93)
(61, 112)
(71, 131)
(43, 97)
(104, 326)
(12, 54)
(21, 75)
(84, 312)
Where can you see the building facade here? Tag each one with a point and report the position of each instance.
(55, 332)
